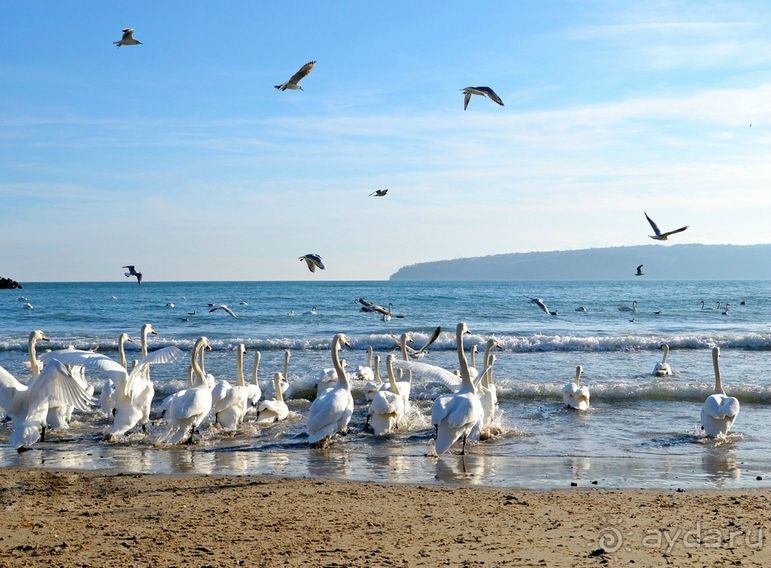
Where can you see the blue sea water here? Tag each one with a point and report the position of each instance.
(640, 432)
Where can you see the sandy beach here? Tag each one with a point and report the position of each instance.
(62, 518)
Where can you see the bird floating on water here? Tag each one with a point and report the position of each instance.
(313, 261)
(541, 304)
(484, 91)
(133, 272)
(639, 271)
(659, 236)
(223, 307)
(128, 38)
(294, 81)
(378, 193)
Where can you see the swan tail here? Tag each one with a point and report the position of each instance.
(325, 432)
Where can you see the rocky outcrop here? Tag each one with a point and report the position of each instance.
(8, 284)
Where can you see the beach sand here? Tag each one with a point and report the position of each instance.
(63, 518)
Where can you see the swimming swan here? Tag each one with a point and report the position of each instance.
(274, 410)
(574, 395)
(331, 411)
(253, 388)
(719, 411)
(230, 408)
(662, 368)
(387, 407)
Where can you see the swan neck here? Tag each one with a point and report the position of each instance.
(391, 376)
(277, 387)
(666, 354)
(378, 379)
(716, 365)
(403, 345)
(240, 369)
(256, 367)
(369, 356)
(342, 378)
(34, 364)
(197, 368)
(143, 339)
(122, 351)
(462, 362)
(287, 355)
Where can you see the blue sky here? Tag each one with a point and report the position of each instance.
(180, 157)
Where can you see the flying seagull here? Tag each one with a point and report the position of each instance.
(132, 272)
(216, 307)
(484, 91)
(378, 193)
(294, 81)
(639, 271)
(128, 38)
(659, 236)
(313, 261)
(387, 313)
(541, 304)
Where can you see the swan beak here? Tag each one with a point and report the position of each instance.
(348, 344)
(44, 338)
(208, 347)
(153, 332)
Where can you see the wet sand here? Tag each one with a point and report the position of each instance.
(64, 518)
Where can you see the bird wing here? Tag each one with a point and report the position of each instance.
(89, 360)
(639, 268)
(304, 70)
(434, 336)
(317, 260)
(139, 277)
(430, 372)
(309, 261)
(9, 386)
(466, 100)
(127, 34)
(492, 95)
(60, 382)
(170, 354)
(653, 225)
(373, 193)
(223, 307)
(680, 230)
(540, 303)
(130, 267)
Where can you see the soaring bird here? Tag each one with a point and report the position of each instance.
(541, 304)
(378, 193)
(128, 38)
(294, 81)
(639, 271)
(484, 91)
(313, 261)
(659, 236)
(215, 307)
(132, 272)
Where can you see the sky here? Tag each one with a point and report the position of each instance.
(179, 156)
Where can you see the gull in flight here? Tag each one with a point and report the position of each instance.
(484, 91)
(216, 307)
(367, 306)
(639, 271)
(541, 304)
(294, 81)
(659, 236)
(378, 193)
(132, 272)
(313, 261)
(128, 38)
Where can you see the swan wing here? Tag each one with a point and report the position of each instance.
(9, 386)
(430, 372)
(327, 409)
(654, 226)
(170, 354)
(464, 410)
(386, 402)
(62, 383)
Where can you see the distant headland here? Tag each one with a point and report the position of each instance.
(676, 262)
(8, 284)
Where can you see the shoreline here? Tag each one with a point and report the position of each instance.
(75, 518)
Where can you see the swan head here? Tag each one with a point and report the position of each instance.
(148, 329)
(462, 328)
(203, 343)
(287, 355)
(241, 349)
(125, 338)
(579, 372)
(37, 335)
(342, 340)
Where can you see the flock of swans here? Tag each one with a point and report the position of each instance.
(58, 386)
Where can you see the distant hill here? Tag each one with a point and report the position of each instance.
(7, 283)
(676, 262)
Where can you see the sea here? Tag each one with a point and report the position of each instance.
(640, 432)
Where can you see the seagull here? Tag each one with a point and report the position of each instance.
(378, 193)
(639, 271)
(313, 261)
(368, 306)
(294, 81)
(659, 236)
(132, 272)
(222, 307)
(128, 38)
(484, 91)
(541, 304)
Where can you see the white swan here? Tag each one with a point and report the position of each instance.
(274, 410)
(189, 407)
(327, 378)
(365, 372)
(632, 309)
(574, 395)
(719, 411)
(387, 407)
(331, 411)
(455, 415)
(230, 409)
(27, 405)
(285, 386)
(107, 400)
(34, 364)
(488, 392)
(253, 388)
(662, 368)
(371, 387)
